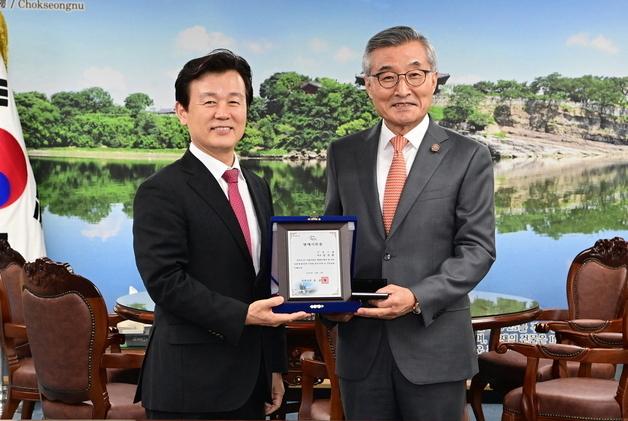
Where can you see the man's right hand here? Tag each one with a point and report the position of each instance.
(261, 313)
(338, 317)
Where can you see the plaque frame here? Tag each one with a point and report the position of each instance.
(281, 226)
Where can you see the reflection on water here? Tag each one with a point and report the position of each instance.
(547, 211)
(88, 188)
(554, 197)
(297, 188)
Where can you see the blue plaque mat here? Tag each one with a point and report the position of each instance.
(319, 307)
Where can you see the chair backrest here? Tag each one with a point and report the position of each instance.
(11, 281)
(327, 338)
(66, 319)
(597, 281)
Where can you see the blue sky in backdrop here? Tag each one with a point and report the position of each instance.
(140, 45)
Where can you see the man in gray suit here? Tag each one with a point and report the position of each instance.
(423, 196)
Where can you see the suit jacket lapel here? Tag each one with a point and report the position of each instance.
(425, 163)
(206, 186)
(366, 165)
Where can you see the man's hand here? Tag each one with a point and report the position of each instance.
(400, 301)
(277, 393)
(261, 313)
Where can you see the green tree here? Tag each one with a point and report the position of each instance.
(257, 110)
(352, 126)
(252, 141)
(90, 100)
(146, 130)
(479, 120)
(550, 91)
(171, 133)
(607, 94)
(40, 119)
(98, 129)
(581, 88)
(463, 102)
(96, 100)
(279, 90)
(553, 86)
(137, 102)
(511, 89)
(287, 117)
(68, 103)
(486, 87)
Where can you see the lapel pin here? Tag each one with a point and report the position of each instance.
(435, 147)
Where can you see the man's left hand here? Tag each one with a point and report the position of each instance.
(278, 391)
(400, 301)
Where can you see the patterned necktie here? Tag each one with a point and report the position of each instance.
(235, 200)
(394, 182)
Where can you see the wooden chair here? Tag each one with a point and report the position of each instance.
(572, 398)
(314, 371)
(68, 332)
(22, 385)
(596, 289)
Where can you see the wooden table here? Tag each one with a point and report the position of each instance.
(488, 310)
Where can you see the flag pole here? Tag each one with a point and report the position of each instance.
(4, 52)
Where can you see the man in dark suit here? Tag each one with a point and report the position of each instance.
(201, 245)
(423, 196)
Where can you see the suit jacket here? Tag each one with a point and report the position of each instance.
(441, 244)
(193, 259)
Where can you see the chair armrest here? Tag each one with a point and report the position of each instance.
(15, 330)
(582, 326)
(563, 352)
(551, 351)
(122, 360)
(595, 340)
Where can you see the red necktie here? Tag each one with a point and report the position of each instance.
(394, 182)
(235, 200)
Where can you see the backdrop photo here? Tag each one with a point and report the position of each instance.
(543, 84)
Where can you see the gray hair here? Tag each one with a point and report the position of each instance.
(392, 37)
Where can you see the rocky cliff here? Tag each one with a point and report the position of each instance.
(533, 128)
(563, 118)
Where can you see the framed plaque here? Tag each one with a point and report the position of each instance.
(312, 259)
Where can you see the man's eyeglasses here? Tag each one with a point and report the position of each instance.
(389, 79)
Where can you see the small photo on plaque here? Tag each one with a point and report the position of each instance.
(312, 261)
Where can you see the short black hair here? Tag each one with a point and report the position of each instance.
(217, 61)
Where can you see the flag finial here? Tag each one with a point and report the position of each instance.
(4, 40)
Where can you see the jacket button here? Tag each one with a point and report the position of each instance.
(387, 257)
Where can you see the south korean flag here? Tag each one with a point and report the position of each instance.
(20, 214)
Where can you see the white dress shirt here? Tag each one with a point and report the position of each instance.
(385, 152)
(217, 169)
